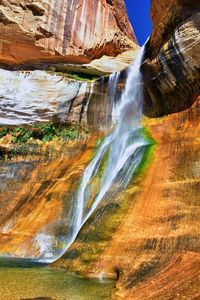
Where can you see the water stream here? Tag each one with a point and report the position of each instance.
(121, 144)
(50, 284)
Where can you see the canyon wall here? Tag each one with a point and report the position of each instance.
(33, 36)
(44, 97)
(166, 16)
(172, 78)
(148, 236)
(66, 30)
(172, 66)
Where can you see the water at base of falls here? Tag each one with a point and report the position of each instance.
(49, 284)
(119, 155)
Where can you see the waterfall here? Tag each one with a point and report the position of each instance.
(121, 144)
(118, 156)
(113, 81)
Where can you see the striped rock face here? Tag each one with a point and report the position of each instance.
(32, 97)
(166, 15)
(37, 96)
(172, 78)
(67, 30)
(38, 215)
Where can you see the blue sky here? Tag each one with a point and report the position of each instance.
(139, 15)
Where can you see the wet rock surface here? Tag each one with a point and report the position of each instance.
(37, 193)
(148, 237)
(36, 97)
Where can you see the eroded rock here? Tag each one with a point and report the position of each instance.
(70, 30)
(166, 15)
(172, 79)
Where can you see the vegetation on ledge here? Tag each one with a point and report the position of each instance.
(76, 76)
(40, 133)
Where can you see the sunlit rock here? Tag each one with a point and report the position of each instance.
(65, 30)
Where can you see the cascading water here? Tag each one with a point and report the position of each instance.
(121, 145)
(118, 156)
(114, 98)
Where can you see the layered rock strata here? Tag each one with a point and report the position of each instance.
(70, 30)
(172, 78)
(166, 16)
(34, 97)
(148, 238)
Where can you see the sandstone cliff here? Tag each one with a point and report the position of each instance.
(172, 68)
(166, 16)
(147, 237)
(65, 30)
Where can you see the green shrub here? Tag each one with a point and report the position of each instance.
(3, 132)
(66, 134)
(76, 76)
(43, 132)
